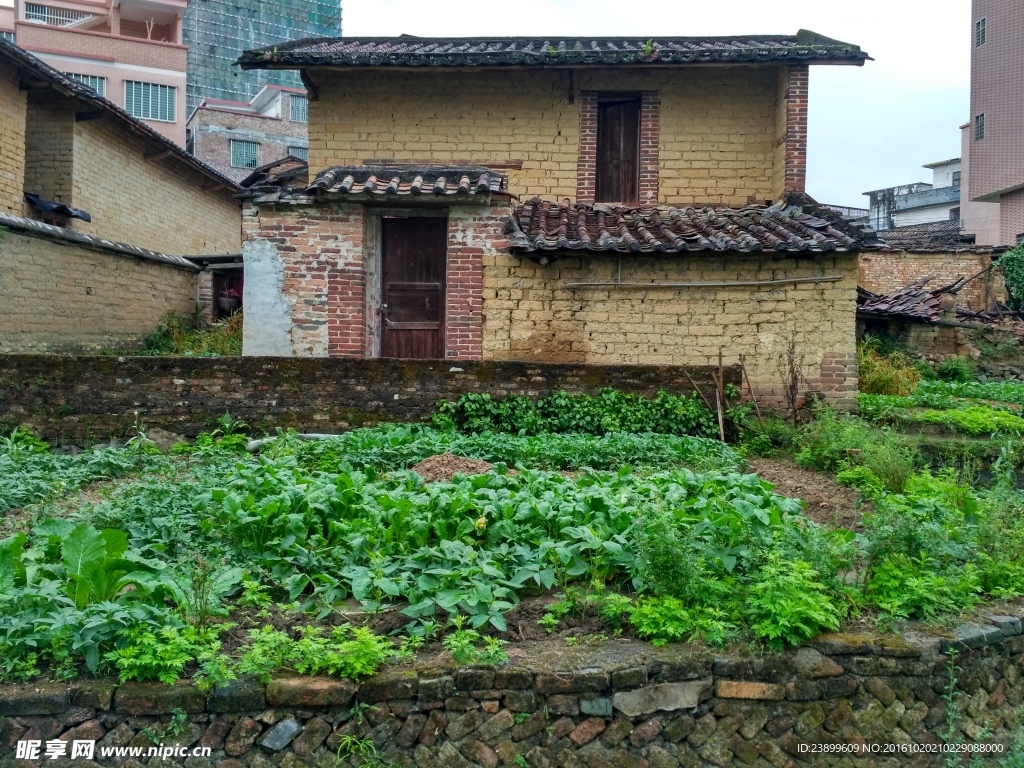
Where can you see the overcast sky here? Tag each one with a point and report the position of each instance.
(870, 127)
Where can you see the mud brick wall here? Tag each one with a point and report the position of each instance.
(79, 397)
(60, 296)
(530, 313)
(718, 142)
(888, 271)
(12, 142)
(612, 705)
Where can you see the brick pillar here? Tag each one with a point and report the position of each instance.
(473, 233)
(650, 126)
(838, 380)
(586, 165)
(796, 128)
(204, 297)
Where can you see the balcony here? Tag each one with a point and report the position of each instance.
(928, 197)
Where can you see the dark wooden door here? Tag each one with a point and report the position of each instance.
(414, 259)
(618, 151)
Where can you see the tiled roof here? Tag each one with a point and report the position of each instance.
(35, 67)
(805, 47)
(912, 302)
(934, 236)
(406, 180)
(39, 229)
(287, 171)
(546, 226)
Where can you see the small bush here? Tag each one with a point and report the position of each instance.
(787, 603)
(958, 369)
(608, 411)
(769, 439)
(885, 374)
(178, 335)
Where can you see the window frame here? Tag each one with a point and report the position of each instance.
(957, 178)
(980, 32)
(303, 111)
(255, 157)
(154, 88)
(304, 157)
(979, 127)
(86, 80)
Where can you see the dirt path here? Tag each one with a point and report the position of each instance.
(827, 502)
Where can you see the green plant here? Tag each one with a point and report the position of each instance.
(200, 588)
(884, 373)
(787, 603)
(1012, 265)
(520, 717)
(956, 369)
(347, 651)
(162, 654)
(178, 335)
(520, 761)
(465, 647)
(666, 619)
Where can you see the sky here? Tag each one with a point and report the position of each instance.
(869, 127)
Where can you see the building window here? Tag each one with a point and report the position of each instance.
(618, 150)
(956, 178)
(1020, 239)
(979, 127)
(300, 152)
(245, 154)
(57, 17)
(98, 84)
(300, 109)
(954, 214)
(150, 101)
(8, 36)
(981, 33)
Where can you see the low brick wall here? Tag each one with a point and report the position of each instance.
(888, 271)
(617, 704)
(79, 397)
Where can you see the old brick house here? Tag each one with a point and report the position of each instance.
(99, 210)
(560, 200)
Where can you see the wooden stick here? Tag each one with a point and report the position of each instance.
(750, 389)
(718, 405)
(696, 388)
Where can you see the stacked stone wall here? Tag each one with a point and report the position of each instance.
(843, 701)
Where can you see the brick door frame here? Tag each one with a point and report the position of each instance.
(374, 264)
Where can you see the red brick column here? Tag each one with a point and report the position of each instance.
(473, 233)
(586, 165)
(796, 128)
(650, 128)
(346, 281)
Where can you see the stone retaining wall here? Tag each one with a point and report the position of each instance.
(81, 397)
(617, 704)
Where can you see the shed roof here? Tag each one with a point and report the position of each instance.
(34, 69)
(805, 47)
(544, 226)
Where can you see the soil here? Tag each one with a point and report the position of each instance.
(826, 501)
(445, 466)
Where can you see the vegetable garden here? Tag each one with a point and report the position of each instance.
(335, 556)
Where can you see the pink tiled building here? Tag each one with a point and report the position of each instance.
(129, 51)
(994, 138)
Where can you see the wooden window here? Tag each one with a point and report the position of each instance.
(618, 149)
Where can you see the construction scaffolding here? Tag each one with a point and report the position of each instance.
(217, 31)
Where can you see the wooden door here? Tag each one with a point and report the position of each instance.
(414, 259)
(618, 151)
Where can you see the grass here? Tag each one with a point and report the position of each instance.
(178, 335)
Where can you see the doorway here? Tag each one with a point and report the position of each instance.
(413, 266)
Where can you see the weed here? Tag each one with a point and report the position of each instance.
(467, 646)
(884, 374)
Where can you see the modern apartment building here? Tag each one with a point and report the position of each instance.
(217, 31)
(994, 137)
(236, 137)
(129, 51)
(921, 202)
